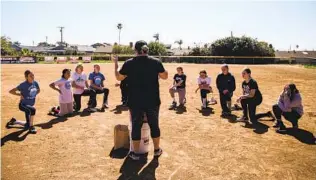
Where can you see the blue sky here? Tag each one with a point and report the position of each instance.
(280, 23)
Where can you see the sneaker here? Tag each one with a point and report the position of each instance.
(92, 109)
(173, 105)
(282, 129)
(242, 119)
(277, 124)
(10, 123)
(32, 130)
(105, 106)
(181, 106)
(134, 156)
(158, 152)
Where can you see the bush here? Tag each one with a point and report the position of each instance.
(244, 46)
(122, 50)
(197, 51)
(156, 49)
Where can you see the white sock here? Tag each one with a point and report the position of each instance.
(22, 123)
(204, 102)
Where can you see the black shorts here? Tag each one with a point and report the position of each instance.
(137, 121)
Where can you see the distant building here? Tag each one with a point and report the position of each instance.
(178, 52)
(104, 50)
(84, 49)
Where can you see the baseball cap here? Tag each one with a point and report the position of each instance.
(141, 45)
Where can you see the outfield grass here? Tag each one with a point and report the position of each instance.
(68, 62)
(310, 66)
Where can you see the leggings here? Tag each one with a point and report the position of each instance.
(93, 96)
(29, 111)
(249, 105)
(204, 93)
(124, 92)
(77, 98)
(224, 98)
(137, 121)
(180, 91)
(292, 116)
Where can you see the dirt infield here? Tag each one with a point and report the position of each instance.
(197, 145)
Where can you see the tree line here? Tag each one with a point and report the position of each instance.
(228, 46)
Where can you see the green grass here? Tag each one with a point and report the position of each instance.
(310, 66)
(93, 61)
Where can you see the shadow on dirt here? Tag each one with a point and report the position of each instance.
(130, 169)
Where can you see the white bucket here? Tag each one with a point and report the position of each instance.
(145, 137)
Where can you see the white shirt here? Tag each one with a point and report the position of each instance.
(206, 80)
(65, 88)
(80, 80)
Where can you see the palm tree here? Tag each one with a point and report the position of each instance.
(119, 27)
(156, 36)
(180, 42)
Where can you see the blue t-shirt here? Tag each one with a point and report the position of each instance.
(96, 78)
(29, 92)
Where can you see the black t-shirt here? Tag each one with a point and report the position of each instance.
(142, 73)
(177, 78)
(252, 84)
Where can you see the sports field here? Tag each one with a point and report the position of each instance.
(197, 145)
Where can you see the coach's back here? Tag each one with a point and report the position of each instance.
(143, 85)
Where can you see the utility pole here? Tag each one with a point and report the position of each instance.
(33, 43)
(231, 33)
(46, 39)
(61, 28)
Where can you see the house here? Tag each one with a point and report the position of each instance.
(301, 57)
(178, 52)
(84, 49)
(36, 49)
(104, 50)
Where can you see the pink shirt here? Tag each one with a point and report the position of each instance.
(65, 88)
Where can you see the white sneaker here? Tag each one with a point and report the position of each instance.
(93, 109)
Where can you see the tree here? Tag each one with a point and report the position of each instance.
(156, 36)
(119, 27)
(156, 48)
(180, 42)
(241, 46)
(6, 47)
(117, 49)
(297, 46)
(45, 44)
(17, 43)
(26, 52)
(198, 51)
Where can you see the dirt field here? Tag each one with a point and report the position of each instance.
(197, 145)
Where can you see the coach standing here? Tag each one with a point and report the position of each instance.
(143, 96)
(226, 85)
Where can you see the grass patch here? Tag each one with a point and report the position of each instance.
(310, 66)
(93, 61)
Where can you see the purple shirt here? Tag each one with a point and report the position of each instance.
(286, 105)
